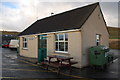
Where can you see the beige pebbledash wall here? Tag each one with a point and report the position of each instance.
(94, 25)
(51, 44)
(74, 46)
(32, 51)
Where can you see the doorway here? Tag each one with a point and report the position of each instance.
(42, 48)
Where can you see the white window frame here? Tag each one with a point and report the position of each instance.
(25, 47)
(61, 41)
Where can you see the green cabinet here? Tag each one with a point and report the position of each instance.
(98, 55)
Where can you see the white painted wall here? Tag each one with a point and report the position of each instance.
(94, 25)
(32, 50)
(51, 44)
(74, 46)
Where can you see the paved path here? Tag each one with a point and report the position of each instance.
(15, 68)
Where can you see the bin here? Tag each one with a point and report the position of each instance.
(99, 55)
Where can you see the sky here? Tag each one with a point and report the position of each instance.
(17, 15)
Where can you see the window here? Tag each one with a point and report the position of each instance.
(61, 42)
(24, 42)
(98, 37)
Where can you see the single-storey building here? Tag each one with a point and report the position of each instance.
(70, 33)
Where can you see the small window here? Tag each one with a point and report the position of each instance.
(25, 42)
(98, 38)
(61, 42)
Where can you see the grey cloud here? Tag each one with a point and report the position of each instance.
(110, 11)
(27, 13)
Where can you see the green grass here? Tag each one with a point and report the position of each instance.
(114, 37)
(114, 43)
(114, 32)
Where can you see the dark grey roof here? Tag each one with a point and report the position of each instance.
(73, 19)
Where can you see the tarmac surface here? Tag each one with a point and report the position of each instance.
(15, 68)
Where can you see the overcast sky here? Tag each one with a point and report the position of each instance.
(17, 15)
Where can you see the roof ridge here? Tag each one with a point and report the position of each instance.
(72, 19)
(97, 3)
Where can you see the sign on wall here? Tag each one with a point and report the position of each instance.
(32, 38)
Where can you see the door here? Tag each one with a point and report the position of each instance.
(42, 47)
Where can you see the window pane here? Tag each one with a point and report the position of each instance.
(61, 37)
(25, 39)
(61, 46)
(56, 37)
(98, 39)
(44, 43)
(24, 42)
(25, 45)
(66, 46)
(56, 46)
(97, 36)
(66, 37)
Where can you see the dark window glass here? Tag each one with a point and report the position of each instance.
(56, 46)
(25, 39)
(56, 37)
(25, 45)
(66, 46)
(61, 37)
(66, 37)
(44, 43)
(61, 46)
